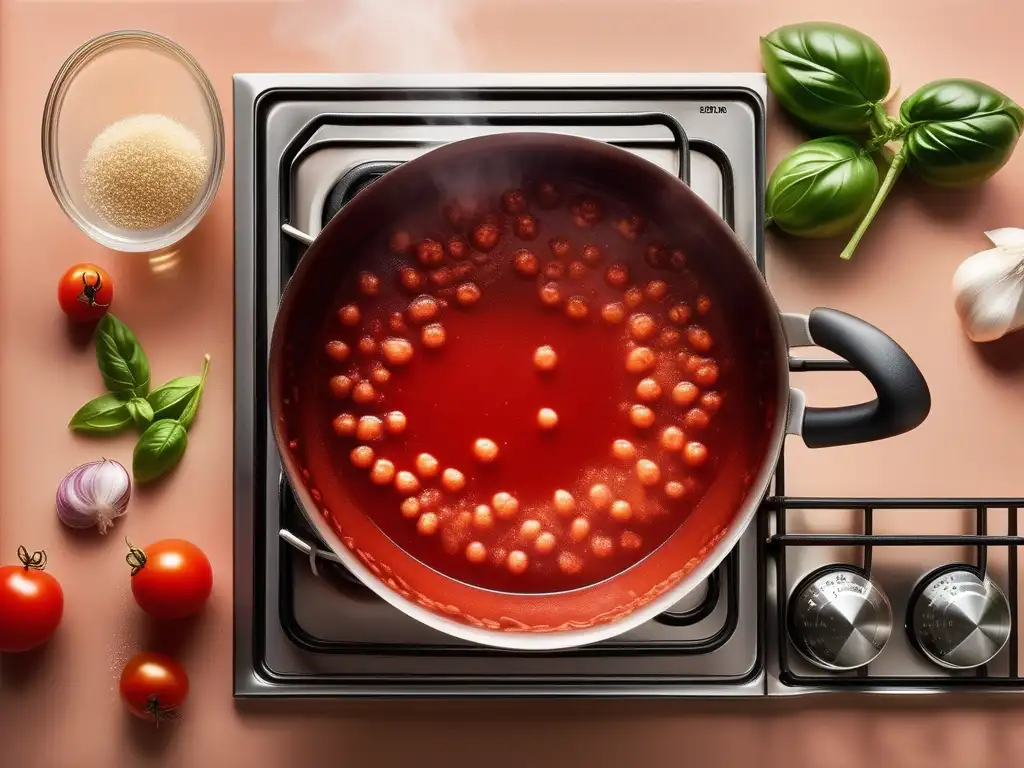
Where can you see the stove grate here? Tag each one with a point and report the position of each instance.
(781, 544)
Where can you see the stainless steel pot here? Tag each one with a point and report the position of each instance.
(761, 339)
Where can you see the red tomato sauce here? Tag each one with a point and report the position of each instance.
(566, 375)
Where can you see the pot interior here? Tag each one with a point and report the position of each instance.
(711, 325)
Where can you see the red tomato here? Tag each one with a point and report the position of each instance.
(153, 686)
(31, 603)
(171, 579)
(85, 292)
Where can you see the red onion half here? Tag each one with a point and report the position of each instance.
(94, 494)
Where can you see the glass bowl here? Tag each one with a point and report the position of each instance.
(143, 184)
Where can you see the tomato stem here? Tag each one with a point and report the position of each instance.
(898, 161)
(35, 561)
(136, 558)
(158, 713)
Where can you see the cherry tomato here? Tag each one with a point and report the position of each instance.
(153, 686)
(171, 578)
(85, 292)
(31, 603)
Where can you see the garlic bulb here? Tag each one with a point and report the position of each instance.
(988, 287)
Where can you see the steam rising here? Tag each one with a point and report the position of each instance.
(412, 36)
(401, 37)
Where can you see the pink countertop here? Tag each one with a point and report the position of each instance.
(59, 706)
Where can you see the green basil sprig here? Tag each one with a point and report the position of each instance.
(162, 445)
(949, 132)
(953, 132)
(163, 415)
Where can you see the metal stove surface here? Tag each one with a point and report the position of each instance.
(302, 628)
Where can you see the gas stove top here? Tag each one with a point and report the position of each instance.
(304, 145)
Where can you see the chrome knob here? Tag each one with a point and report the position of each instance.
(958, 617)
(838, 618)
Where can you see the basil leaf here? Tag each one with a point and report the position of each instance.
(170, 399)
(120, 357)
(822, 188)
(827, 75)
(189, 413)
(141, 412)
(159, 450)
(959, 131)
(103, 415)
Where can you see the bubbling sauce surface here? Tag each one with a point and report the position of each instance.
(520, 501)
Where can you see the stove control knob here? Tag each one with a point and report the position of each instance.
(958, 618)
(838, 618)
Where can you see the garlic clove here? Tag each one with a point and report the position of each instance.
(993, 317)
(1006, 237)
(978, 274)
(988, 290)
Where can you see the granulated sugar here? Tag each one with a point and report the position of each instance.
(144, 171)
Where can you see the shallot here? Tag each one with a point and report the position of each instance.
(94, 494)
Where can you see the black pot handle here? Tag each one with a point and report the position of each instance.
(902, 401)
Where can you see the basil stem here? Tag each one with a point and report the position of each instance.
(121, 359)
(105, 414)
(189, 414)
(898, 163)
